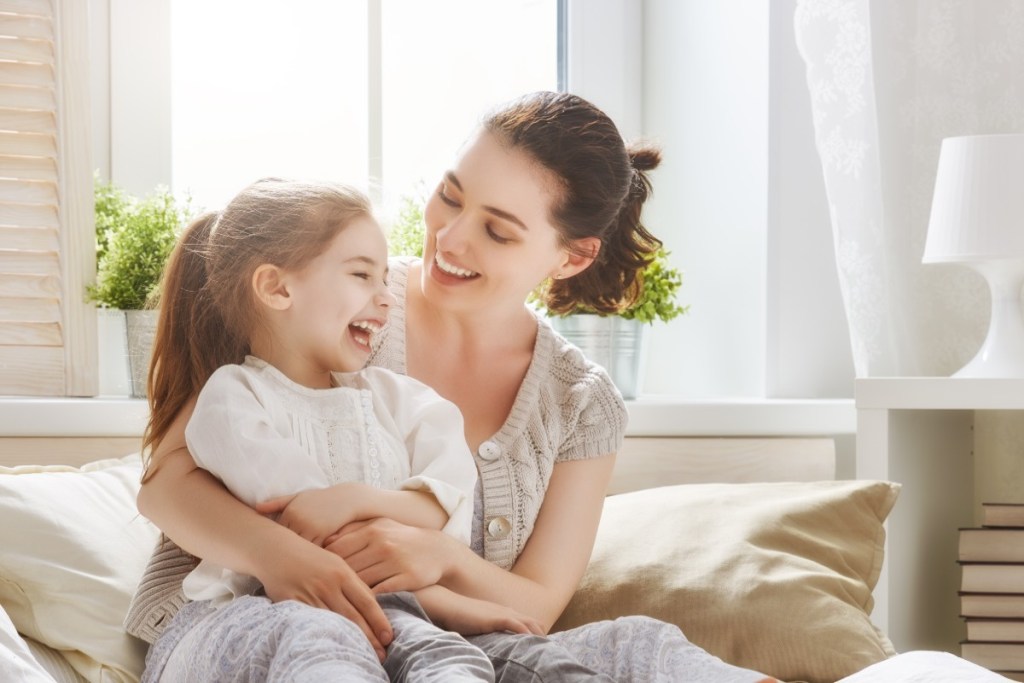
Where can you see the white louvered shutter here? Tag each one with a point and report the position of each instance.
(47, 242)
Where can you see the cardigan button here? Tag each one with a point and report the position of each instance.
(489, 450)
(498, 527)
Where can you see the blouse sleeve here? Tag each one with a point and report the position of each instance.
(232, 434)
(432, 430)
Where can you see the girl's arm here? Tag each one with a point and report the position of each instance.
(471, 616)
(393, 557)
(196, 511)
(317, 514)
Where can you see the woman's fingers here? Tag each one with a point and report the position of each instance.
(365, 613)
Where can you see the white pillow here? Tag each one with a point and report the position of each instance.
(73, 549)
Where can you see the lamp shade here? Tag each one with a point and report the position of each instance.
(978, 205)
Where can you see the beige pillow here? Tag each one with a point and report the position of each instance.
(72, 548)
(774, 577)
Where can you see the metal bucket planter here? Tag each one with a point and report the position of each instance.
(618, 345)
(141, 326)
(125, 345)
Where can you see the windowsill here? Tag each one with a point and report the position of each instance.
(648, 416)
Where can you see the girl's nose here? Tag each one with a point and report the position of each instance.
(384, 297)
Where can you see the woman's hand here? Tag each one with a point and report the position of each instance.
(390, 556)
(469, 616)
(306, 573)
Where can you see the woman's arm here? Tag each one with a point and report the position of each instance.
(393, 557)
(197, 512)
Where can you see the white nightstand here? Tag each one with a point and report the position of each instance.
(918, 431)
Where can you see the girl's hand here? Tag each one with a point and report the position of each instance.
(316, 514)
(306, 573)
(390, 556)
(469, 616)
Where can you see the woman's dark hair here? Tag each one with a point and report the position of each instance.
(207, 306)
(604, 185)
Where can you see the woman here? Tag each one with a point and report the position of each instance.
(545, 191)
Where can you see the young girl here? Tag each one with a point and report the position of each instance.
(275, 300)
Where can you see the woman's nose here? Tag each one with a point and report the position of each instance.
(451, 238)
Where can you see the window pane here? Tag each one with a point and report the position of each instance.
(280, 88)
(267, 88)
(443, 64)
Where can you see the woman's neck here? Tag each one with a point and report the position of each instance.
(508, 327)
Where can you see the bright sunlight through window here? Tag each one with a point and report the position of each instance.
(376, 93)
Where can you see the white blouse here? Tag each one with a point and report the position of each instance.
(265, 436)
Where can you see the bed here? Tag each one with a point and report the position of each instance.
(749, 544)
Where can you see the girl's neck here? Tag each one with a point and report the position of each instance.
(292, 366)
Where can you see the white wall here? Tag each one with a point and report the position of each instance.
(739, 200)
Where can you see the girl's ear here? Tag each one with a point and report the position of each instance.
(268, 283)
(578, 258)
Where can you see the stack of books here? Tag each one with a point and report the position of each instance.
(992, 589)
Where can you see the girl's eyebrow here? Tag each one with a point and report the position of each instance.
(368, 260)
(500, 213)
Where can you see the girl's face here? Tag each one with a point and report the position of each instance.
(489, 240)
(337, 301)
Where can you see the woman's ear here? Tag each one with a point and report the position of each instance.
(579, 257)
(270, 287)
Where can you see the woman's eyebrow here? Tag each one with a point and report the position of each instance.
(506, 216)
(500, 213)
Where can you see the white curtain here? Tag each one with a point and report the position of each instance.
(888, 80)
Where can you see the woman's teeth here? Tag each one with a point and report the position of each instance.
(452, 270)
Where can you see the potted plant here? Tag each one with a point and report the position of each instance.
(134, 237)
(616, 342)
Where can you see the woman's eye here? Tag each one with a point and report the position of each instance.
(445, 198)
(496, 237)
(362, 276)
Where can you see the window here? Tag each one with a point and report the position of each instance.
(383, 90)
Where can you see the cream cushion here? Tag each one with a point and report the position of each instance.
(774, 577)
(73, 549)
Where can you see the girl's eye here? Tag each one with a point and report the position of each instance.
(496, 237)
(445, 198)
(362, 276)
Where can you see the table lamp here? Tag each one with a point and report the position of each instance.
(977, 219)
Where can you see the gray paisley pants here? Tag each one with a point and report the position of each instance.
(253, 640)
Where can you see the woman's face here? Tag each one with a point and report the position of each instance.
(489, 239)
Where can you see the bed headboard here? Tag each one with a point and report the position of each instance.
(644, 462)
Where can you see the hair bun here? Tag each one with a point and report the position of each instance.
(643, 157)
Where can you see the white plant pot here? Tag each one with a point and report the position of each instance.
(617, 345)
(112, 339)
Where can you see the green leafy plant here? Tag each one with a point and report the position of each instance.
(405, 238)
(658, 292)
(133, 240)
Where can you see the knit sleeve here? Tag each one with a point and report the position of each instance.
(593, 412)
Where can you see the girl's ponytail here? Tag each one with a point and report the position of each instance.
(190, 341)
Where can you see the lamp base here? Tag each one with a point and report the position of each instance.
(1002, 354)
